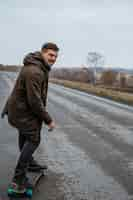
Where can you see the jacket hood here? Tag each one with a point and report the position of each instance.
(36, 59)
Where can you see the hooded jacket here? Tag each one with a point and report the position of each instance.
(26, 106)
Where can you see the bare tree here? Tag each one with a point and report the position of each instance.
(94, 60)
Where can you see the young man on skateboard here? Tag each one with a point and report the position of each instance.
(26, 109)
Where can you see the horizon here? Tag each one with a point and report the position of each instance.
(79, 66)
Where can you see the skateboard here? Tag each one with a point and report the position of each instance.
(34, 178)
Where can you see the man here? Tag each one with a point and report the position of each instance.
(26, 109)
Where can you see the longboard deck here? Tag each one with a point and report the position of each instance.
(34, 178)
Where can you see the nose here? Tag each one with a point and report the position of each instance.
(53, 58)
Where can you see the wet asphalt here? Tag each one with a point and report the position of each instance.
(89, 154)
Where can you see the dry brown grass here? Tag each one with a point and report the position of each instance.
(122, 97)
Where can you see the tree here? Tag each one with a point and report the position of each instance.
(109, 77)
(94, 60)
(123, 81)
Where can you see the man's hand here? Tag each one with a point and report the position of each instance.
(2, 115)
(5, 110)
(51, 126)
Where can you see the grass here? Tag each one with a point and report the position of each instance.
(122, 97)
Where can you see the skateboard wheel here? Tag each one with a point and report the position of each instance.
(10, 191)
(29, 193)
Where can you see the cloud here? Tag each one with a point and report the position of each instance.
(77, 26)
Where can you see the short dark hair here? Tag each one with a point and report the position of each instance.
(50, 45)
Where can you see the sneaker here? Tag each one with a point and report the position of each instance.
(17, 188)
(34, 166)
(21, 184)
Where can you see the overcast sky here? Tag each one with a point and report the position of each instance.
(77, 26)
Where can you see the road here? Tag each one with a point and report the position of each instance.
(89, 154)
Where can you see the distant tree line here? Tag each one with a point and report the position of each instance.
(73, 74)
(10, 68)
(105, 77)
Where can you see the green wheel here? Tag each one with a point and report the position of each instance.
(10, 191)
(29, 193)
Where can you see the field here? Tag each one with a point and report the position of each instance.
(122, 97)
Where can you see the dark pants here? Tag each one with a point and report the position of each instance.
(28, 143)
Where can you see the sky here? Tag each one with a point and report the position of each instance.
(76, 26)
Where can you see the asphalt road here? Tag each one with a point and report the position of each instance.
(89, 154)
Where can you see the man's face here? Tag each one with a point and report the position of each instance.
(49, 56)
